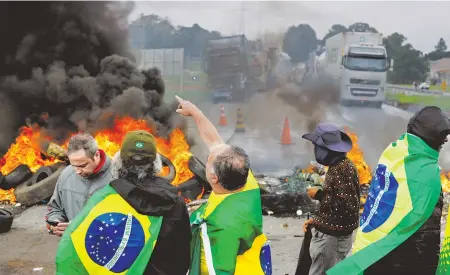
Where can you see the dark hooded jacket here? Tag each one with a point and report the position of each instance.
(157, 197)
(419, 254)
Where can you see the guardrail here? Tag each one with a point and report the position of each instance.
(398, 89)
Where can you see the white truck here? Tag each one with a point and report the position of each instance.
(359, 62)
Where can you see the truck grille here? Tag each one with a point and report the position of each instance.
(363, 92)
(364, 81)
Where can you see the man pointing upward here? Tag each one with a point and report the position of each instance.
(227, 235)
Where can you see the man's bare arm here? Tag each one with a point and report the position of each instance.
(206, 129)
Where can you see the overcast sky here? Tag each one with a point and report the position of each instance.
(422, 22)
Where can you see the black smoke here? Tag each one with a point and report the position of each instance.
(71, 62)
(313, 99)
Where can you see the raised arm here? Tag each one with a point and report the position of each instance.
(206, 129)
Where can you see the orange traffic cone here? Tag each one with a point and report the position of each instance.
(223, 118)
(286, 135)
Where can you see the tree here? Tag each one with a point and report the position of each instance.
(335, 29)
(439, 52)
(409, 64)
(193, 39)
(441, 45)
(154, 32)
(361, 27)
(393, 43)
(299, 41)
(151, 31)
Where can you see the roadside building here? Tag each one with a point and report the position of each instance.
(440, 70)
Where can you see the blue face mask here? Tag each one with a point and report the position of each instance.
(326, 157)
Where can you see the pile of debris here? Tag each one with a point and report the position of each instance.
(287, 195)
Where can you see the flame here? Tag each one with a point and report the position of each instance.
(309, 170)
(26, 150)
(356, 155)
(445, 182)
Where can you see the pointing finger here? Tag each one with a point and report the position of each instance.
(179, 99)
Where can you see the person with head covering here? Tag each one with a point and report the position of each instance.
(137, 224)
(227, 236)
(337, 216)
(400, 228)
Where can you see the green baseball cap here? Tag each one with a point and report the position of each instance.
(138, 146)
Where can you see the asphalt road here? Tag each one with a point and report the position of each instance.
(264, 120)
(28, 246)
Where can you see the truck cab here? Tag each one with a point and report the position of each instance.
(363, 75)
(358, 61)
(231, 67)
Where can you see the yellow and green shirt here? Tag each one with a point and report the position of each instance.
(227, 234)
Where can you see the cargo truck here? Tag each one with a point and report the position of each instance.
(232, 67)
(359, 62)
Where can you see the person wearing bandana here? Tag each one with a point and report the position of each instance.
(338, 212)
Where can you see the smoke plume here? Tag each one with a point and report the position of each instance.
(71, 61)
(312, 100)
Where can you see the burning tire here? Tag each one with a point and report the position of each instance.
(172, 171)
(16, 177)
(198, 169)
(190, 189)
(6, 220)
(40, 186)
(193, 188)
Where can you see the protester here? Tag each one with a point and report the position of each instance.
(148, 202)
(400, 226)
(227, 230)
(337, 216)
(88, 172)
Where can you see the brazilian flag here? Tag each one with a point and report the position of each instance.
(444, 260)
(227, 235)
(107, 237)
(403, 193)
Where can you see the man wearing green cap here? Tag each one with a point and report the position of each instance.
(139, 214)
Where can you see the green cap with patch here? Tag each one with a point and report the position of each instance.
(138, 146)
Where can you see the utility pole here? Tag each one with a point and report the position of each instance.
(242, 18)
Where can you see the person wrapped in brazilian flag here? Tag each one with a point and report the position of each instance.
(135, 225)
(399, 230)
(227, 235)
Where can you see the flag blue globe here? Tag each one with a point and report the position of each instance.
(380, 200)
(266, 259)
(114, 240)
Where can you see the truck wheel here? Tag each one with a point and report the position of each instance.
(345, 102)
(378, 104)
(40, 187)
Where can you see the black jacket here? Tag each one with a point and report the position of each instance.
(157, 197)
(419, 254)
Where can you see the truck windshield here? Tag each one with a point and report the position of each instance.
(365, 64)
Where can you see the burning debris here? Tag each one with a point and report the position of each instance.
(27, 151)
(65, 68)
(70, 60)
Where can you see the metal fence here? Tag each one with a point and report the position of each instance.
(397, 89)
(169, 61)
